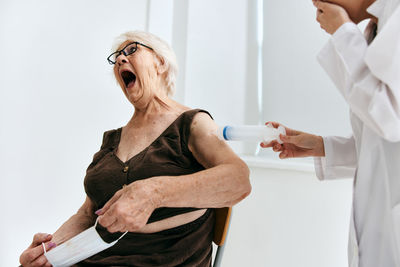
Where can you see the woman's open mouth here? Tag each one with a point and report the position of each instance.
(128, 77)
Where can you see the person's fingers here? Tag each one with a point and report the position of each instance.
(277, 147)
(320, 22)
(269, 144)
(290, 153)
(273, 123)
(294, 153)
(288, 130)
(319, 14)
(292, 132)
(289, 139)
(265, 145)
(33, 254)
(106, 220)
(117, 226)
(40, 261)
(109, 203)
(40, 238)
(283, 154)
(322, 5)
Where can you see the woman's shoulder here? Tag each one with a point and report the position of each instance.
(110, 138)
(190, 119)
(189, 115)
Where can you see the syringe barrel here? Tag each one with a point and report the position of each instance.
(256, 133)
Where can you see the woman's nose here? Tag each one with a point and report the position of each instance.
(121, 59)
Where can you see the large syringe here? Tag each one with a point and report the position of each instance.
(255, 133)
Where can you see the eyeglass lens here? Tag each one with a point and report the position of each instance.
(128, 50)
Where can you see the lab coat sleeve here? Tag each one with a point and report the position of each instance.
(373, 101)
(340, 159)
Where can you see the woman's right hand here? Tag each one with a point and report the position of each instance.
(33, 256)
(296, 144)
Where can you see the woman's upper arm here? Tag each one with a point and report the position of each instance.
(208, 149)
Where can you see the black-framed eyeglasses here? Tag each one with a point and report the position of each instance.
(127, 50)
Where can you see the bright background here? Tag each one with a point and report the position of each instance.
(246, 61)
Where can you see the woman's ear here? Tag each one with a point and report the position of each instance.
(160, 65)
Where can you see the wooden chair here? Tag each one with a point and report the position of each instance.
(221, 227)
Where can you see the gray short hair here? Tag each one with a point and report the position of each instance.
(160, 47)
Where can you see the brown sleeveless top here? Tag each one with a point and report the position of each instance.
(167, 155)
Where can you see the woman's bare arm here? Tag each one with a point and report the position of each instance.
(223, 183)
(83, 219)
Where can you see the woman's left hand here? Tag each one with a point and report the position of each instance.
(330, 16)
(130, 208)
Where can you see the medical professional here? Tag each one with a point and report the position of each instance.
(366, 70)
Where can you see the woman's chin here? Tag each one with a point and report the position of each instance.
(135, 97)
(134, 94)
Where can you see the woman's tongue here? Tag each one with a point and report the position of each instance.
(131, 83)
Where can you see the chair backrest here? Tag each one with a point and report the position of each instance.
(222, 220)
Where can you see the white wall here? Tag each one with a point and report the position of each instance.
(289, 219)
(297, 91)
(215, 73)
(58, 95)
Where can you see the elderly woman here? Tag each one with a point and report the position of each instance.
(158, 177)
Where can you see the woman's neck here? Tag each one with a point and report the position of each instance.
(158, 108)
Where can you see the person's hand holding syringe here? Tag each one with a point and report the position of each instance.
(290, 143)
(295, 144)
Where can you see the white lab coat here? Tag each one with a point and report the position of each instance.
(368, 77)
